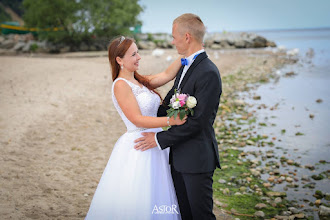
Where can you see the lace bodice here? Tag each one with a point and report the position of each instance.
(148, 102)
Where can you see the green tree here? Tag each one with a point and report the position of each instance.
(3, 15)
(82, 18)
(109, 17)
(52, 14)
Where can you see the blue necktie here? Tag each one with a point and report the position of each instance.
(184, 61)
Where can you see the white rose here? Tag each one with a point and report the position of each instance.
(176, 105)
(191, 102)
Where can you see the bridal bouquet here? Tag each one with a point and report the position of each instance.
(181, 104)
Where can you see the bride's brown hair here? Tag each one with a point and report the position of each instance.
(118, 48)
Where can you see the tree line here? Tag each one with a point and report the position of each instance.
(74, 21)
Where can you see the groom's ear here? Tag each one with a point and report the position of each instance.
(188, 37)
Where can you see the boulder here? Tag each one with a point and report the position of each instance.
(7, 44)
(324, 211)
(146, 45)
(19, 46)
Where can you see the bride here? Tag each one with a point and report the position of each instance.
(136, 184)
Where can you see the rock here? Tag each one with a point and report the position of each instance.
(238, 194)
(319, 100)
(278, 200)
(290, 162)
(255, 172)
(216, 46)
(223, 205)
(19, 46)
(260, 214)
(269, 155)
(267, 185)
(271, 179)
(7, 44)
(242, 189)
(300, 215)
(259, 42)
(276, 172)
(311, 116)
(226, 191)
(327, 196)
(310, 167)
(318, 177)
(222, 181)
(324, 211)
(286, 213)
(239, 102)
(318, 194)
(318, 202)
(305, 178)
(260, 206)
(283, 217)
(293, 210)
(265, 199)
(290, 73)
(289, 179)
(276, 194)
(257, 97)
(146, 45)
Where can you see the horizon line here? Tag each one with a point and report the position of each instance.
(259, 30)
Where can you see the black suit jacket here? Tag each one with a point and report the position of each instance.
(193, 147)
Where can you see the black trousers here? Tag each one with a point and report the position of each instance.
(194, 192)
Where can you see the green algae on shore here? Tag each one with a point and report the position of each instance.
(238, 187)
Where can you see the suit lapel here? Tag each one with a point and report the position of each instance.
(177, 79)
(198, 59)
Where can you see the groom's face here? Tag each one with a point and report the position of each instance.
(179, 40)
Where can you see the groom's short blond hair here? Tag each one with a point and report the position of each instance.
(192, 24)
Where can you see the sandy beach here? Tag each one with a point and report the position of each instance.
(58, 126)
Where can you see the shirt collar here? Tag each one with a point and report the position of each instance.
(191, 57)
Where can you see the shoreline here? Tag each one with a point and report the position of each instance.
(59, 125)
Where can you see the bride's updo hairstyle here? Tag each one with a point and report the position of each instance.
(118, 48)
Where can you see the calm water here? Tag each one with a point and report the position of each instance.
(295, 98)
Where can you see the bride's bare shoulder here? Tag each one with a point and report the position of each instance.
(121, 87)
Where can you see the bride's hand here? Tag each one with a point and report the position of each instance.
(178, 121)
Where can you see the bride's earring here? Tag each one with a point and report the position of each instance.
(122, 67)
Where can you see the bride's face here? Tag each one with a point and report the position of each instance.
(130, 61)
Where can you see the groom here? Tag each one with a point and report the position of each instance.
(193, 148)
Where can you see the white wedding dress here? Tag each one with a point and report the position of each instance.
(136, 185)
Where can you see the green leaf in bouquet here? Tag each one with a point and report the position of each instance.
(182, 113)
(176, 112)
(192, 112)
(171, 113)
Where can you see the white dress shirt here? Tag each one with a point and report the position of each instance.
(190, 60)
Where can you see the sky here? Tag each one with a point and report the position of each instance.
(237, 15)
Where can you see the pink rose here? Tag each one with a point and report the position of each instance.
(182, 97)
(182, 102)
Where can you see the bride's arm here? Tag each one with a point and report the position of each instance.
(162, 78)
(131, 109)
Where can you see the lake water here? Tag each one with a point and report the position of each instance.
(295, 100)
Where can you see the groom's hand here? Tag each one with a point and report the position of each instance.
(146, 142)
